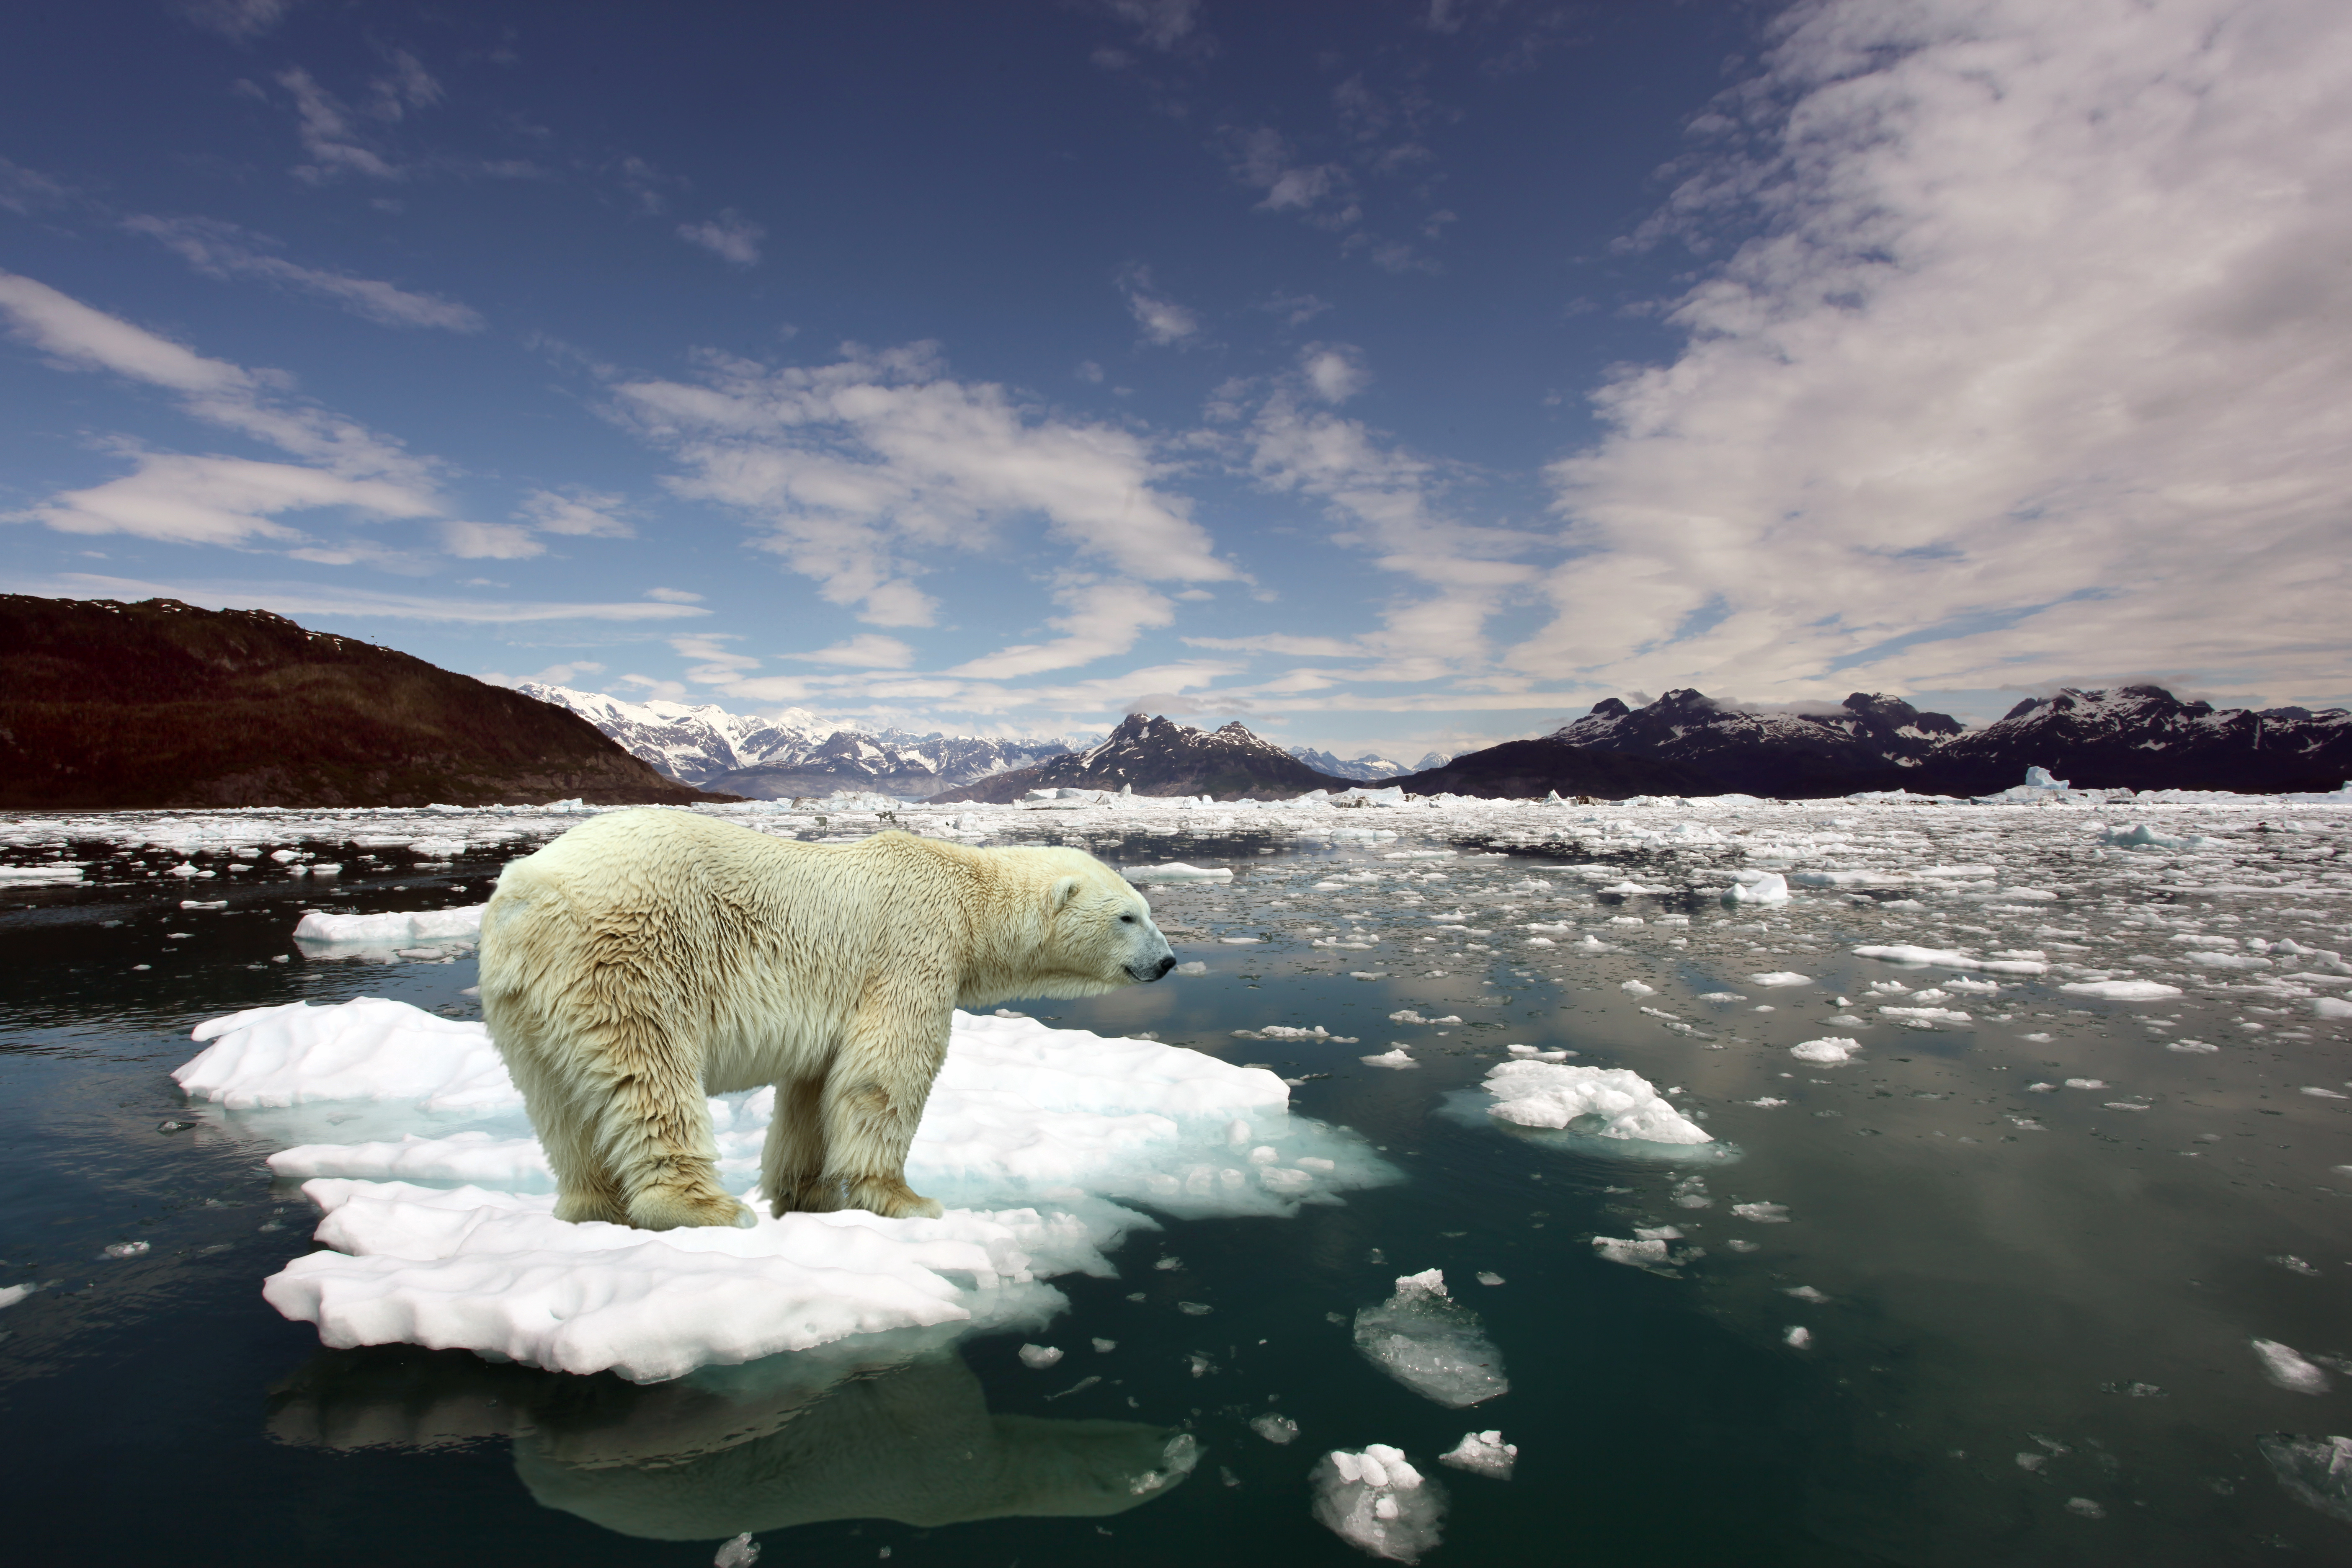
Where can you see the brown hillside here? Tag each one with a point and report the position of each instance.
(111, 706)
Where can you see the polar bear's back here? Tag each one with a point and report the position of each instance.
(719, 927)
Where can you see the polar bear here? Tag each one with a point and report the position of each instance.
(647, 959)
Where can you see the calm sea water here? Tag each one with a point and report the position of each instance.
(2032, 1345)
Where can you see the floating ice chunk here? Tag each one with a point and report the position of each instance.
(54, 877)
(1483, 1453)
(2205, 958)
(1797, 1337)
(737, 1551)
(2331, 1007)
(2190, 1047)
(2140, 835)
(2315, 1471)
(1641, 1252)
(1273, 1428)
(1398, 1057)
(1762, 1213)
(1431, 1343)
(1377, 1502)
(1408, 1016)
(2288, 1370)
(1177, 872)
(1780, 977)
(2019, 962)
(1037, 1358)
(1486, 1278)
(2122, 990)
(1832, 1051)
(122, 1249)
(371, 1048)
(1620, 1102)
(1804, 1293)
(1769, 889)
(12, 1294)
(419, 925)
(1195, 967)
(1635, 988)
(1921, 1017)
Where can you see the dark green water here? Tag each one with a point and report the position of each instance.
(1993, 1290)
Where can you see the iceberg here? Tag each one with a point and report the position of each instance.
(1376, 1501)
(1607, 1102)
(1431, 1343)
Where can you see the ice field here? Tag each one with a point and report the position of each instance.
(1859, 1181)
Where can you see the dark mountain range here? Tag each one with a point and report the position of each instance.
(2139, 737)
(114, 705)
(1784, 754)
(2143, 737)
(1518, 770)
(1160, 756)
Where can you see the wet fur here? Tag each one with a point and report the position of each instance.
(648, 959)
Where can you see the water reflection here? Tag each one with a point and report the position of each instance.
(791, 1440)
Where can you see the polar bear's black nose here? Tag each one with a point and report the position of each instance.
(1162, 967)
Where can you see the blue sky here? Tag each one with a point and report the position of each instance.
(1387, 375)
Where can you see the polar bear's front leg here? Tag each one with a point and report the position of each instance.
(873, 1103)
(792, 1166)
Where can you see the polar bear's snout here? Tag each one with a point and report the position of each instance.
(1152, 969)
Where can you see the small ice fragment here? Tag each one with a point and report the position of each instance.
(2315, 1471)
(1483, 1453)
(12, 1294)
(1104, 1347)
(1377, 1501)
(2085, 1507)
(1762, 1213)
(1170, 1262)
(1829, 1052)
(1195, 1309)
(1798, 1337)
(1780, 977)
(2086, 1083)
(1199, 1364)
(2288, 1370)
(1398, 1057)
(1432, 1344)
(1037, 1358)
(1486, 1278)
(127, 1249)
(1804, 1293)
(1648, 1253)
(1195, 967)
(1274, 1428)
(740, 1552)
(1635, 988)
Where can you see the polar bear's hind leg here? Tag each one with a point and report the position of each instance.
(654, 1129)
(793, 1165)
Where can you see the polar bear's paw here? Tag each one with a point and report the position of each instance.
(665, 1209)
(890, 1199)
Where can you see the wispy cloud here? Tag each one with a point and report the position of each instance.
(1162, 319)
(730, 237)
(2037, 365)
(224, 250)
(866, 472)
(582, 513)
(237, 19)
(1098, 620)
(868, 650)
(306, 599)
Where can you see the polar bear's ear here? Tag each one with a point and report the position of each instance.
(1058, 897)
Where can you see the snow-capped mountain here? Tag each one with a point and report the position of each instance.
(2143, 737)
(1767, 753)
(792, 753)
(1160, 756)
(1368, 767)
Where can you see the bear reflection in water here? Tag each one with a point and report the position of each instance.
(759, 1447)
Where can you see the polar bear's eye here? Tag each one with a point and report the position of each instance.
(1127, 919)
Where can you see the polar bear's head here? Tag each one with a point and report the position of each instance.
(1094, 931)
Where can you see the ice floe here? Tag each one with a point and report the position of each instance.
(1431, 1343)
(1376, 1501)
(1602, 1103)
(1035, 1137)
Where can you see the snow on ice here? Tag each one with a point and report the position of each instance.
(1377, 1501)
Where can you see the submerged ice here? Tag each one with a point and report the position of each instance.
(1378, 1501)
(1431, 1343)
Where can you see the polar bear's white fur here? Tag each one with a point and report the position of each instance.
(647, 959)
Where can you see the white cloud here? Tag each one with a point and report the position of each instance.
(673, 596)
(63, 326)
(237, 19)
(2038, 365)
(1159, 23)
(868, 650)
(1337, 372)
(1163, 321)
(1264, 160)
(582, 513)
(225, 250)
(217, 500)
(1100, 619)
(306, 599)
(730, 236)
(865, 473)
(490, 541)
